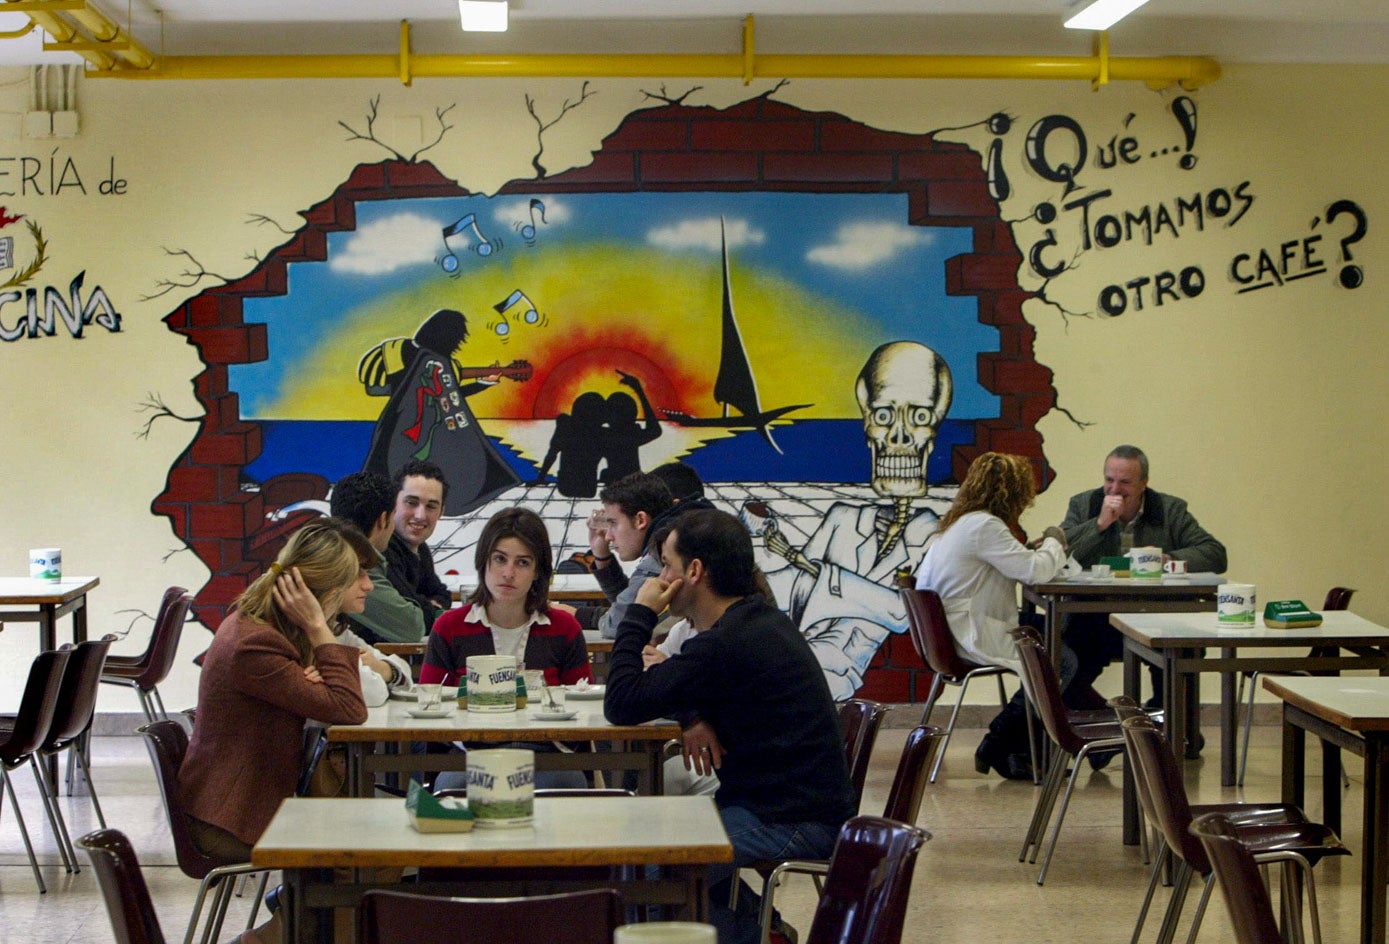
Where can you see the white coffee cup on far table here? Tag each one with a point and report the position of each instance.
(666, 932)
(1174, 567)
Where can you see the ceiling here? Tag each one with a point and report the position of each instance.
(1231, 31)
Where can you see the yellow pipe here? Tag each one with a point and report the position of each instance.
(1188, 71)
(62, 31)
(20, 33)
(104, 31)
(405, 78)
(748, 48)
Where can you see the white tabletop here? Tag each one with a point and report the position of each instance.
(1168, 582)
(567, 831)
(32, 590)
(392, 722)
(1355, 702)
(1160, 630)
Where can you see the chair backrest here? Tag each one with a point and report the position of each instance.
(1338, 598)
(930, 633)
(168, 743)
(1168, 807)
(869, 879)
(588, 917)
(913, 768)
(133, 919)
(77, 694)
(1131, 716)
(36, 706)
(860, 719)
(1044, 688)
(168, 629)
(1246, 896)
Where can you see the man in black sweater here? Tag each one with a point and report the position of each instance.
(784, 782)
(421, 492)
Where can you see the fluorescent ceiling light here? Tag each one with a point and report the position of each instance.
(1102, 14)
(483, 16)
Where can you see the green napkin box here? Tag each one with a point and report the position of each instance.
(429, 814)
(1289, 614)
(1119, 566)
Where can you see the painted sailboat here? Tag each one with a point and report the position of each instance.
(735, 386)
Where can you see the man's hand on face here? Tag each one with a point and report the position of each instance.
(656, 594)
(1109, 510)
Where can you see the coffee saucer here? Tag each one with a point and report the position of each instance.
(429, 712)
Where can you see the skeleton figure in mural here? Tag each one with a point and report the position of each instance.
(839, 588)
(427, 415)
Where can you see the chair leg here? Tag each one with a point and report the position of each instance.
(159, 700)
(196, 917)
(91, 786)
(937, 686)
(1248, 725)
(1172, 917)
(1061, 815)
(1148, 896)
(28, 847)
(1200, 909)
(1041, 813)
(48, 793)
(260, 896)
(949, 729)
(1032, 743)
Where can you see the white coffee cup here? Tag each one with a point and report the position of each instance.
(666, 932)
(46, 563)
(1101, 571)
(1175, 566)
(1235, 605)
(491, 683)
(501, 785)
(1146, 562)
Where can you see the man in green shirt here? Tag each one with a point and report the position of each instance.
(368, 500)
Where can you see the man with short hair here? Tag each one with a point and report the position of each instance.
(1108, 521)
(420, 493)
(784, 781)
(368, 499)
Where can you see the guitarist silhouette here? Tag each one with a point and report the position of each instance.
(428, 417)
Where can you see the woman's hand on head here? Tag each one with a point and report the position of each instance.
(296, 601)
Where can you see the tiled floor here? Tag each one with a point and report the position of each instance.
(969, 885)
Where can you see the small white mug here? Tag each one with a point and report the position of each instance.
(46, 563)
(1175, 566)
(1101, 571)
(1146, 562)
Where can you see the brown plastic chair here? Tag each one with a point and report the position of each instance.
(145, 671)
(930, 635)
(860, 720)
(1246, 896)
(1337, 598)
(72, 717)
(587, 917)
(868, 883)
(1074, 742)
(26, 735)
(1298, 845)
(133, 919)
(923, 746)
(168, 744)
(1243, 813)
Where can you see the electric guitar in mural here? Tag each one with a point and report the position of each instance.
(735, 385)
(520, 371)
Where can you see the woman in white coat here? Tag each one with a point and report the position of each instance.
(975, 561)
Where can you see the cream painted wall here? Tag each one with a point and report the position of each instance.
(1263, 409)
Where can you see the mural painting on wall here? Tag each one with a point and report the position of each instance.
(823, 319)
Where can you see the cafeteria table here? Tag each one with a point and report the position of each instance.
(45, 602)
(1181, 644)
(682, 836)
(381, 744)
(1350, 712)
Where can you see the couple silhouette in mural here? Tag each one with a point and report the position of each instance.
(598, 431)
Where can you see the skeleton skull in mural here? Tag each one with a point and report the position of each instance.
(904, 393)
